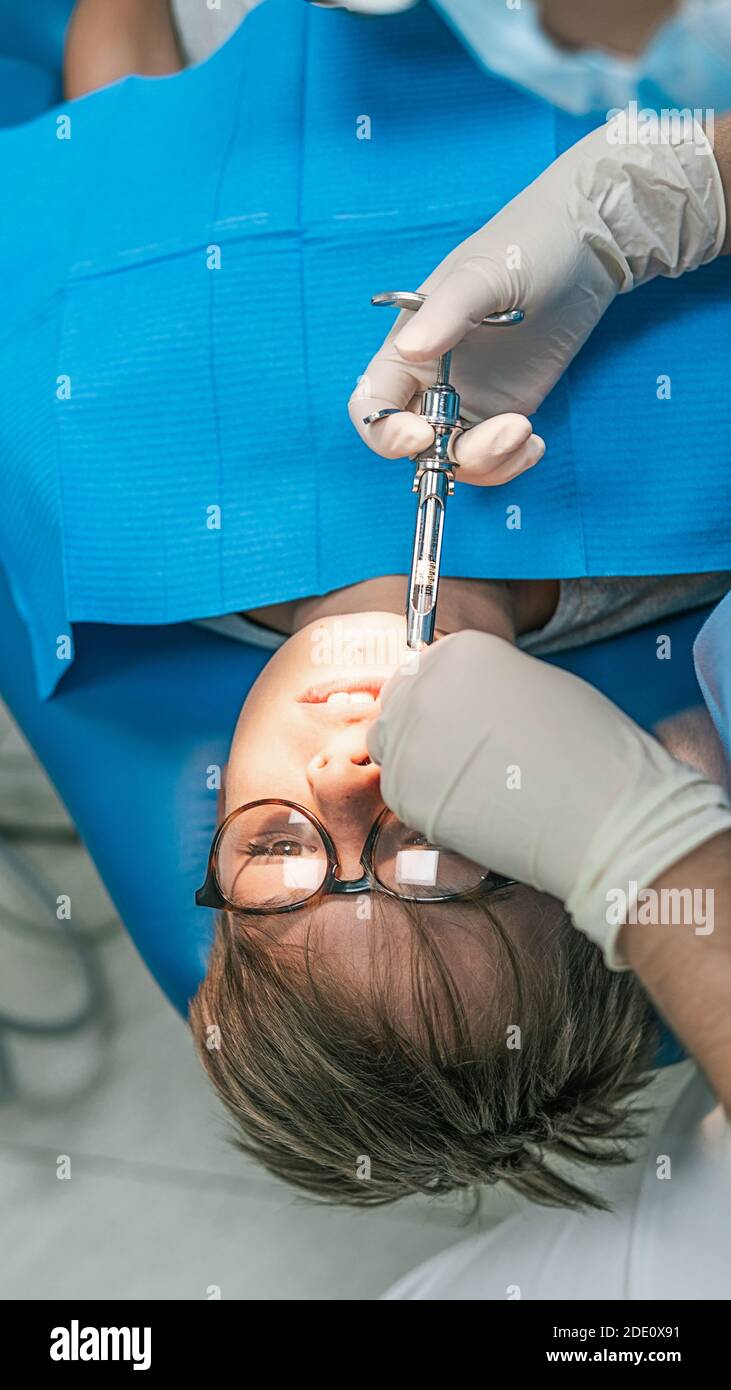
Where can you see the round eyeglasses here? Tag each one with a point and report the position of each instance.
(275, 856)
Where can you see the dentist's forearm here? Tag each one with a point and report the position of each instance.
(721, 141)
(688, 975)
(109, 39)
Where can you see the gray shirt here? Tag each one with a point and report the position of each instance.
(202, 30)
(587, 610)
(590, 609)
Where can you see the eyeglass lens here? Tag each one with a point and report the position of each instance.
(273, 856)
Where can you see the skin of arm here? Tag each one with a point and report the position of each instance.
(622, 27)
(721, 140)
(687, 976)
(108, 39)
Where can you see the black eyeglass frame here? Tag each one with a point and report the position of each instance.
(210, 895)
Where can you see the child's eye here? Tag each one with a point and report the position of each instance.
(413, 840)
(278, 849)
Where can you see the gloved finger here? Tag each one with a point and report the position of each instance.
(392, 693)
(374, 741)
(497, 450)
(396, 436)
(373, 7)
(398, 688)
(454, 308)
(525, 458)
(388, 384)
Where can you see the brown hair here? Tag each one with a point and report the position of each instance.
(331, 1093)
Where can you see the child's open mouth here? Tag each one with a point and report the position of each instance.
(344, 693)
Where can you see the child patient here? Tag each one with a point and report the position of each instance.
(382, 1017)
(433, 1027)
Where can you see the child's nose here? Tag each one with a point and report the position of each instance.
(345, 771)
(345, 786)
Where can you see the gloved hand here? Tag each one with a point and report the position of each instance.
(531, 772)
(602, 219)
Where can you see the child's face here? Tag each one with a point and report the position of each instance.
(292, 743)
(301, 734)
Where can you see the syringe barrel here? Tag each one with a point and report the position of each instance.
(423, 590)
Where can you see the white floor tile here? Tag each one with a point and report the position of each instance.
(119, 1236)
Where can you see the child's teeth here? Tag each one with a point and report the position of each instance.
(355, 697)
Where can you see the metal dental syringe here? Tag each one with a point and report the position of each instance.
(433, 480)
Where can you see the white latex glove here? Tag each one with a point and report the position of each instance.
(531, 772)
(366, 6)
(602, 219)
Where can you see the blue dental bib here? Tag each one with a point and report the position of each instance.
(187, 268)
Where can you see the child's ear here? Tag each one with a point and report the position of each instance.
(221, 798)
